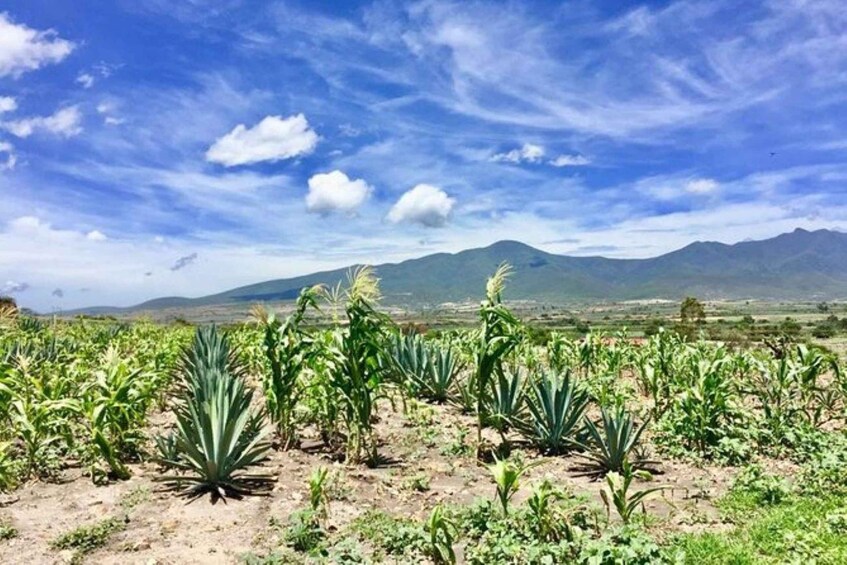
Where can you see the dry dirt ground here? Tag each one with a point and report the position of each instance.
(160, 527)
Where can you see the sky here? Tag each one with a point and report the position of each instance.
(155, 148)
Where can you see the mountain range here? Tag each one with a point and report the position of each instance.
(801, 265)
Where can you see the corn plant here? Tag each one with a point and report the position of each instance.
(8, 468)
(610, 447)
(499, 334)
(289, 351)
(357, 370)
(556, 406)
(616, 493)
(114, 408)
(318, 498)
(442, 535)
(706, 410)
(541, 511)
(506, 478)
(217, 434)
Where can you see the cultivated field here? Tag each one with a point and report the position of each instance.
(333, 433)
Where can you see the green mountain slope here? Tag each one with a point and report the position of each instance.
(800, 265)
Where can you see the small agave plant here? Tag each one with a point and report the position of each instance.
(217, 434)
(556, 406)
(613, 444)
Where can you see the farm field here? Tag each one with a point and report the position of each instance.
(334, 432)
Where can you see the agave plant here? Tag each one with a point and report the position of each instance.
(444, 368)
(410, 362)
(505, 404)
(556, 406)
(609, 448)
(217, 434)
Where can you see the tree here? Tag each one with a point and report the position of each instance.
(692, 311)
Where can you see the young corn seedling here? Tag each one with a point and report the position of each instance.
(318, 498)
(616, 493)
(506, 477)
(442, 534)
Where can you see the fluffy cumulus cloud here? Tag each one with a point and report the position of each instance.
(8, 104)
(66, 122)
(96, 235)
(25, 49)
(702, 186)
(273, 139)
(529, 153)
(570, 161)
(335, 191)
(425, 204)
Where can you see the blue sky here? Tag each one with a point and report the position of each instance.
(150, 150)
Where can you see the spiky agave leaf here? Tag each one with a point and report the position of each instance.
(505, 404)
(556, 407)
(610, 447)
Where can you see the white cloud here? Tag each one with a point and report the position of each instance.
(8, 162)
(702, 186)
(96, 235)
(570, 161)
(8, 104)
(425, 204)
(272, 139)
(107, 110)
(329, 192)
(27, 223)
(25, 49)
(86, 80)
(529, 153)
(65, 122)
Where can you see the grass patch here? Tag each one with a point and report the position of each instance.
(805, 528)
(391, 535)
(137, 496)
(86, 539)
(7, 531)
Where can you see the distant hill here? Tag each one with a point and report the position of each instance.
(800, 265)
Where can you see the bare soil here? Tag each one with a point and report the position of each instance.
(161, 528)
